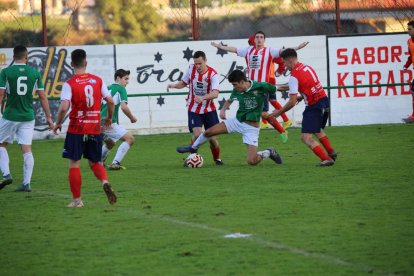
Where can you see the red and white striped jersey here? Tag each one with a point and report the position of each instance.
(200, 85)
(259, 61)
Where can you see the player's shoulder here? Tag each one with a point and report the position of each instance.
(213, 71)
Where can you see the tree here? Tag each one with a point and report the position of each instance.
(129, 20)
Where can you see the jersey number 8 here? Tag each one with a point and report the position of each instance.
(89, 95)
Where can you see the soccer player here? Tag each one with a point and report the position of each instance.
(84, 92)
(281, 68)
(203, 85)
(116, 132)
(259, 63)
(410, 61)
(251, 96)
(19, 81)
(304, 80)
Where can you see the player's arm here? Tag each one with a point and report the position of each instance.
(65, 98)
(45, 105)
(63, 109)
(225, 48)
(106, 95)
(127, 112)
(293, 98)
(177, 85)
(3, 80)
(226, 106)
(300, 46)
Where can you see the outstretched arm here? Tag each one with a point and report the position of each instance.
(177, 85)
(225, 48)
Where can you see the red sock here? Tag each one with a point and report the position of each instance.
(264, 121)
(272, 120)
(326, 144)
(319, 151)
(75, 181)
(215, 150)
(278, 106)
(99, 171)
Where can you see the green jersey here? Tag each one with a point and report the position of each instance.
(251, 101)
(119, 94)
(20, 80)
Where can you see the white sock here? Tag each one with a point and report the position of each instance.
(4, 161)
(199, 141)
(264, 154)
(120, 153)
(28, 164)
(105, 153)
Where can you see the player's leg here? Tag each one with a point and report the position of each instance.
(210, 119)
(72, 150)
(7, 131)
(311, 123)
(273, 121)
(273, 101)
(128, 140)
(250, 136)
(107, 146)
(92, 152)
(410, 118)
(204, 137)
(24, 136)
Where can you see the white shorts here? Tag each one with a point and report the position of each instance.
(250, 133)
(115, 132)
(23, 131)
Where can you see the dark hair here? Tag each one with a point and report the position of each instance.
(237, 76)
(260, 32)
(121, 73)
(19, 51)
(200, 54)
(289, 52)
(411, 23)
(78, 57)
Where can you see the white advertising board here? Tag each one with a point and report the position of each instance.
(362, 60)
(154, 65)
(53, 63)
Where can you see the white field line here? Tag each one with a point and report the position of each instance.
(257, 240)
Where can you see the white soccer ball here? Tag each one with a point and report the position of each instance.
(194, 160)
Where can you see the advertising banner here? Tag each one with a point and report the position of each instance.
(366, 60)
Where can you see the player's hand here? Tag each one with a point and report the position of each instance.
(303, 44)
(57, 127)
(198, 99)
(133, 119)
(275, 113)
(170, 85)
(50, 123)
(222, 115)
(215, 44)
(107, 123)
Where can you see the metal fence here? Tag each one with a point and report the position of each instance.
(81, 22)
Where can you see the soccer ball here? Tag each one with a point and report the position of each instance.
(194, 160)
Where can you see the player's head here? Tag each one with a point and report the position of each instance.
(238, 79)
(290, 57)
(78, 58)
(410, 28)
(122, 77)
(20, 53)
(251, 41)
(259, 39)
(200, 61)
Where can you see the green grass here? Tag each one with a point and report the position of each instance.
(353, 218)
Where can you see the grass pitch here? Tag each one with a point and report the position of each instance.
(350, 219)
